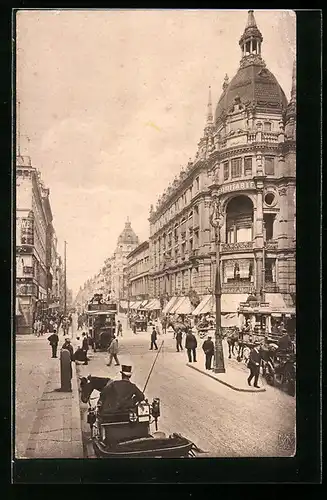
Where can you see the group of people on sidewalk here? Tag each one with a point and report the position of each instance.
(81, 352)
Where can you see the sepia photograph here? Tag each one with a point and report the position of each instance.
(155, 219)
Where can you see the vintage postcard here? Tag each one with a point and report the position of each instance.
(155, 178)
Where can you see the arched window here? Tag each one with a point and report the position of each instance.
(239, 219)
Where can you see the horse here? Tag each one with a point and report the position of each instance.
(89, 384)
(232, 337)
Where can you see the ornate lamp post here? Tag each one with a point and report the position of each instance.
(216, 220)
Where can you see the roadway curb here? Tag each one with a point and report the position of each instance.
(225, 383)
(76, 415)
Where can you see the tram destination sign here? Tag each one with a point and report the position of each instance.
(111, 308)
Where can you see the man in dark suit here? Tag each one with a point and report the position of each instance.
(209, 349)
(191, 345)
(153, 339)
(179, 335)
(254, 364)
(54, 340)
(120, 394)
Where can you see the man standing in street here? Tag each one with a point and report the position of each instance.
(209, 349)
(254, 364)
(119, 329)
(54, 340)
(153, 339)
(179, 336)
(191, 345)
(113, 351)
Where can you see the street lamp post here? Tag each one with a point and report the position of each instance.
(216, 220)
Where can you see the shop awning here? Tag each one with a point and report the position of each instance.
(177, 303)
(143, 304)
(169, 305)
(229, 319)
(135, 305)
(17, 308)
(184, 307)
(278, 305)
(204, 307)
(229, 303)
(153, 305)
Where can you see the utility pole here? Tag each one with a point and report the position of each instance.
(65, 279)
(216, 220)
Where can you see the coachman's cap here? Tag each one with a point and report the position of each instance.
(126, 370)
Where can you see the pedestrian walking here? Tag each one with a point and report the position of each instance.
(254, 364)
(54, 341)
(191, 345)
(119, 329)
(154, 336)
(113, 352)
(209, 349)
(179, 336)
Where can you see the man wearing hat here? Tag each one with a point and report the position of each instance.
(120, 394)
(285, 342)
(254, 364)
(67, 345)
(209, 349)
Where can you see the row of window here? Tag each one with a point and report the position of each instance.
(185, 198)
(235, 168)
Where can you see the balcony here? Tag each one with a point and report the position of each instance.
(194, 254)
(271, 287)
(237, 287)
(28, 270)
(271, 245)
(241, 246)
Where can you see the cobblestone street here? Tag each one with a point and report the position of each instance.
(219, 420)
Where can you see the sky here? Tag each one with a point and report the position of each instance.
(113, 104)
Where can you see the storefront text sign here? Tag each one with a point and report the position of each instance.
(236, 186)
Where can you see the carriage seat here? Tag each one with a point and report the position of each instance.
(118, 427)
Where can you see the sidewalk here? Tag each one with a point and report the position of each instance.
(235, 376)
(56, 427)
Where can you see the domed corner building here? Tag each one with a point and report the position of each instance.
(247, 157)
(127, 241)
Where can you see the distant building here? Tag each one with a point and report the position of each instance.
(137, 272)
(248, 151)
(127, 241)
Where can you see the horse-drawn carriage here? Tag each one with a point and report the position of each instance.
(279, 367)
(141, 324)
(101, 322)
(126, 433)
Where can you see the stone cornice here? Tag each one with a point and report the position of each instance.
(249, 147)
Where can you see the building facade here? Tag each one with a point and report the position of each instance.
(127, 241)
(248, 152)
(137, 273)
(35, 246)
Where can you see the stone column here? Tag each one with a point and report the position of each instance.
(258, 240)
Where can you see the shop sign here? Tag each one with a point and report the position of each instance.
(236, 186)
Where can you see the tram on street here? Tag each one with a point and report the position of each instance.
(101, 319)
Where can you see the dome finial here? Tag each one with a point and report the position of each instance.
(251, 20)
(293, 90)
(209, 114)
(226, 82)
(251, 39)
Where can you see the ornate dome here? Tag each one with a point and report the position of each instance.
(253, 83)
(128, 236)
